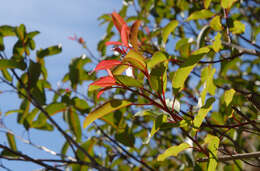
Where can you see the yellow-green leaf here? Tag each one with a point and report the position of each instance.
(134, 34)
(217, 43)
(213, 143)
(207, 3)
(128, 81)
(202, 113)
(74, 123)
(157, 58)
(168, 29)
(136, 59)
(173, 151)
(202, 14)
(105, 109)
(12, 64)
(183, 72)
(216, 24)
(227, 4)
(11, 141)
(228, 96)
(238, 27)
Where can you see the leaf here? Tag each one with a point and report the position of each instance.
(158, 77)
(11, 141)
(215, 23)
(207, 76)
(168, 29)
(124, 35)
(128, 81)
(202, 14)
(126, 137)
(64, 150)
(227, 4)
(173, 151)
(118, 21)
(183, 72)
(217, 43)
(2, 46)
(12, 64)
(228, 96)
(114, 43)
(135, 59)
(74, 123)
(238, 27)
(103, 82)
(202, 113)
(6, 30)
(53, 50)
(55, 108)
(34, 73)
(107, 64)
(105, 109)
(213, 143)
(157, 58)
(134, 33)
(207, 3)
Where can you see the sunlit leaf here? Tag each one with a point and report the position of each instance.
(105, 109)
(228, 96)
(202, 14)
(183, 72)
(107, 64)
(202, 113)
(207, 3)
(215, 23)
(213, 143)
(118, 21)
(53, 50)
(124, 35)
(128, 81)
(217, 43)
(12, 64)
(227, 4)
(11, 141)
(168, 29)
(135, 59)
(6, 30)
(74, 123)
(157, 58)
(238, 27)
(173, 151)
(134, 34)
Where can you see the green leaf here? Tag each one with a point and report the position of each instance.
(207, 76)
(105, 109)
(215, 23)
(202, 113)
(168, 29)
(12, 64)
(207, 3)
(217, 43)
(202, 14)
(6, 75)
(11, 141)
(228, 96)
(158, 77)
(74, 123)
(183, 72)
(213, 143)
(227, 4)
(128, 81)
(148, 113)
(238, 27)
(6, 30)
(20, 32)
(157, 58)
(173, 151)
(135, 59)
(34, 73)
(64, 149)
(126, 137)
(2, 46)
(53, 50)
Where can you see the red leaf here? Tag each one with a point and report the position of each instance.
(124, 35)
(118, 21)
(114, 43)
(105, 81)
(134, 34)
(107, 64)
(101, 92)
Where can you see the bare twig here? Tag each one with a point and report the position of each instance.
(233, 157)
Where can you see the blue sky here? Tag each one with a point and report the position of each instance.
(56, 20)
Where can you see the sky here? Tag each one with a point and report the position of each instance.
(56, 20)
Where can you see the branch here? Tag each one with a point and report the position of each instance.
(233, 157)
(28, 158)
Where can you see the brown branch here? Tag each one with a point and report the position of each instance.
(234, 157)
